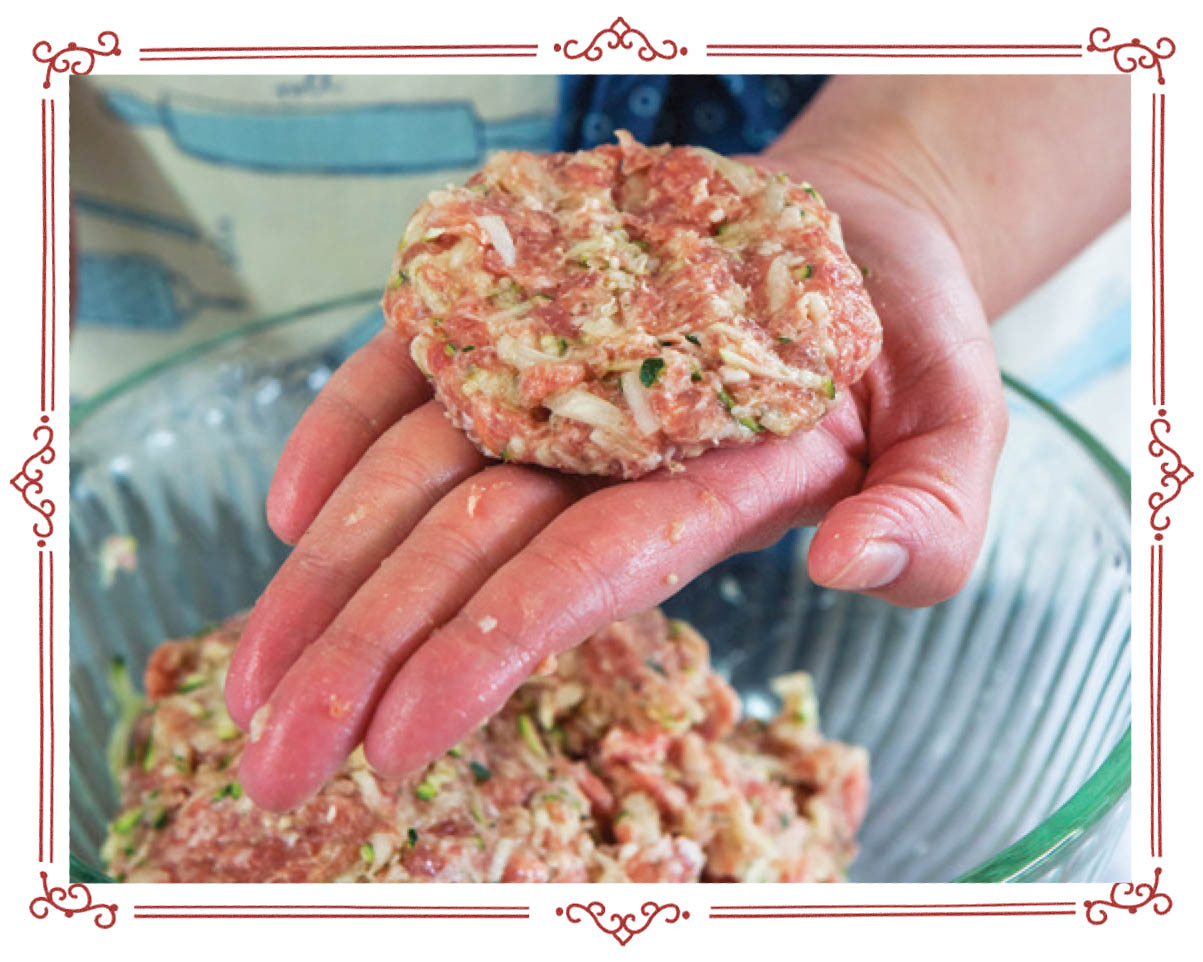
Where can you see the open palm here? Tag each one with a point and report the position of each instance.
(427, 582)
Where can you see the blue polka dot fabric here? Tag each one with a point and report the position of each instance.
(731, 114)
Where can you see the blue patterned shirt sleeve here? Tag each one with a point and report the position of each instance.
(729, 114)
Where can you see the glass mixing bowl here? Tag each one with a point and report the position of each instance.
(997, 722)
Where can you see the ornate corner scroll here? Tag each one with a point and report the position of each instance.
(622, 926)
(620, 34)
(75, 899)
(1128, 56)
(79, 60)
(1126, 895)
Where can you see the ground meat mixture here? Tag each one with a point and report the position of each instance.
(624, 760)
(614, 310)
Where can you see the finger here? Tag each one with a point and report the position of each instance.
(414, 464)
(371, 390)
(912, 535)
(617, 551)
(320, 710)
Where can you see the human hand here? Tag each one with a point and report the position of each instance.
(427, 583)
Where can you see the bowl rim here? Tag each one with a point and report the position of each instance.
(1111, 781)
(83, 410)
(1023, 858)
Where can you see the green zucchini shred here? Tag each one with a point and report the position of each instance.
(526, 729)
(192, 683)
(129, 708)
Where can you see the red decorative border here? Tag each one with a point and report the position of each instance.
(1174, 474)
(79, 60)
(330, 912)
(45, 706)
(368, 52)
(622, 924)
(891, 50)
(1148, 56)
(1157, 243)
(620, 35)
(1125, 895)
(1173, 470)
(903, 910)
(1126, 56)
(75, 899)
(48, 262)
(28, 481)
(1156, 572)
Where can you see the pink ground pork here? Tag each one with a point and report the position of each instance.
(615, 310)
(625, 760)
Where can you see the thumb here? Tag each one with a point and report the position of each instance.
(912, 534)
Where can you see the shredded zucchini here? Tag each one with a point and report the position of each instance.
(129, 707)
(530, 737)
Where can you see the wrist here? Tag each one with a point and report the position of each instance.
(1020, 172)
(871, 136)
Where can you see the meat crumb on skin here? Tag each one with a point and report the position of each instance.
(259, 722)
(474, 497)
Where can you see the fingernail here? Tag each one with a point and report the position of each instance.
(876, 565)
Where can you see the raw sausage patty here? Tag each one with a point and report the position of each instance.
(614, 310)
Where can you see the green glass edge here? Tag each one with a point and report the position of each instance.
(81, 871)
(1115, 471)
(1085, 807)
(1066, 826)
(1025, 857)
